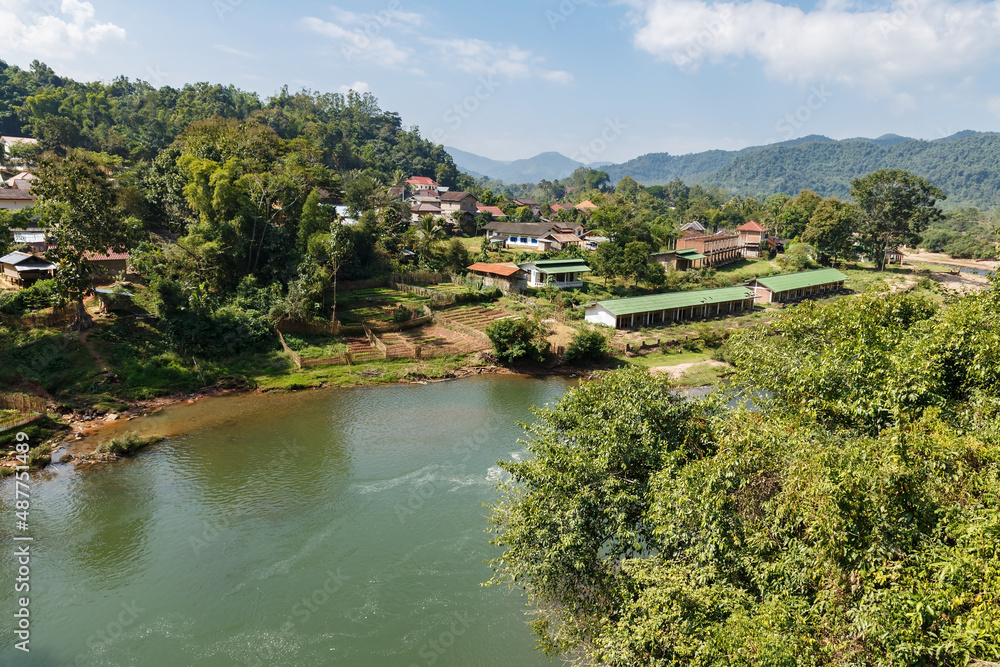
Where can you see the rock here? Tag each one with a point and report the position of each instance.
(112, 417)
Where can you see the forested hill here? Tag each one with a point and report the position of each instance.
(136, 121)
(966, 166)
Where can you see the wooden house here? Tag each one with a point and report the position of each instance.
(508, 277)
(23, 269)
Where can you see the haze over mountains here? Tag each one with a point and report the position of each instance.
(965, 165)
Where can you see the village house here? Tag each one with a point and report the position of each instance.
(460, 208)
(694, 227)
(22, 269)
(535, 207)
(528, 235)
(586, 206)
(36, 238)
(679, 260)
(752, 235)
(510, 278)
(108, 263)
(418, 183)
(418, 211)
(796, 286)
(21, 181)
(592, 240)
(492, 210)
(7, 143)
(718, 249)
(670, 307)
(15, 199)
(561, 273)
(559, 240)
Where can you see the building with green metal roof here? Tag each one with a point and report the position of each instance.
(562, 273)
(670, 307)
(795, 286)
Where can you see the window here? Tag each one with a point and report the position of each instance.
(534, 240)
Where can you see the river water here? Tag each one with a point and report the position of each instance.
(335, 527)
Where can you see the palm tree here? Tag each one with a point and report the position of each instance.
(428, 231)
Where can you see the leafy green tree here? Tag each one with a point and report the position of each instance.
(895, 207)
(456, 256)
(587, 345)
(516, 338)
(78, 200)
(635, 261)
(831, 230)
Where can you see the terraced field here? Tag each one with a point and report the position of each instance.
(437, 341)
(474, 316)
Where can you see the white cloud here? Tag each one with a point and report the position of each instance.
(358, 87)
(874, 49)
(34, 31)
(476, 56)
(358, 44)
(233, 52)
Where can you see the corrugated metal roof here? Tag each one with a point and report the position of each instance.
(559, 264)
(671, 300)
(802, 280)
(690, 253)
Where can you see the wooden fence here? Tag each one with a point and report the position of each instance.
(301, 363)
(309, 328)
(29, 407)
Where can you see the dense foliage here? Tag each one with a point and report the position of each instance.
(517, 338)
(849, 516)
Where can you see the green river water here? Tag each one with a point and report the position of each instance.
(334, 527)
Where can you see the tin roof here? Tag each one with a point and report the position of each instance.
(672, 300)
(504, 270)
(802, 280)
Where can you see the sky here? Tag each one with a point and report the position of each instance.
(596, 80)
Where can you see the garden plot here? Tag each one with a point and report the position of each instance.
(473, 316)
(436, 341)
(377, 304)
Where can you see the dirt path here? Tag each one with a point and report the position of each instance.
(940, 258)
(90, 348)
(678, 371)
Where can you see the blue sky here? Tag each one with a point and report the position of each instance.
(594, 80)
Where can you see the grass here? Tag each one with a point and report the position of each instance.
(655, 359)
(127, 444)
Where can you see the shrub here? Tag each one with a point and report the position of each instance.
(587, 344)
(517, 337)
(126, 444)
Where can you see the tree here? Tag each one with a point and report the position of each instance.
(515, 338)
(79, 201)
(635, 261)
(831, 230)
(587, 344)
(456, 256)
(895, 207)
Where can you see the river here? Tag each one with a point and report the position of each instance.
(332, 527)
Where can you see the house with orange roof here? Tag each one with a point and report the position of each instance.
(586, 206)
(509, 278)
(752, 234)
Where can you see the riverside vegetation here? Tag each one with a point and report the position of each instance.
(849, 517)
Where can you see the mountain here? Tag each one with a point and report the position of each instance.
(965, 165)
(550, 166)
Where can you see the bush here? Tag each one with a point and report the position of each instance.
(40, 295)
(514, 338)
(402, 314)
(587, 344)
(127, 444)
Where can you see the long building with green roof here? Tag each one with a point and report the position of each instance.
(796, 286)
(670, 307)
